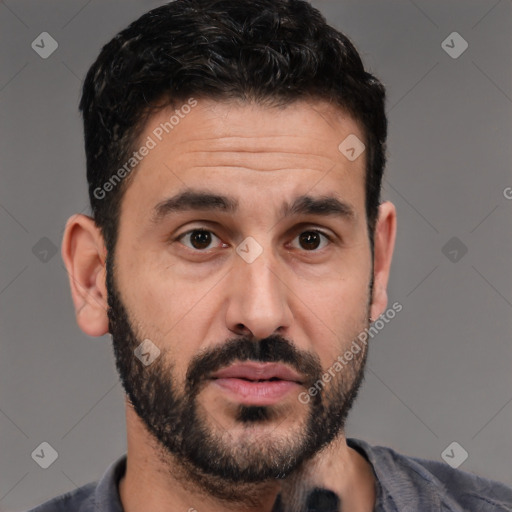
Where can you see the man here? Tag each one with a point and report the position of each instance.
(238, 249)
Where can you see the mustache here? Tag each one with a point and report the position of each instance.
(273, 349)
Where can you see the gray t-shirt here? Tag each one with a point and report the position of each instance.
(403, 484)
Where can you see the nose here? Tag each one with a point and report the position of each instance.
(258, 298)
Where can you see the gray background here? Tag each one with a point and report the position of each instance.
(439, 372)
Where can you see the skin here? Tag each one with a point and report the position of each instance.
(318, 298)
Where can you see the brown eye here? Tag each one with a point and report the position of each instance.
(311, 240)
(199, 239)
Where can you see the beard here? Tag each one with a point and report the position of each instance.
(210, 455)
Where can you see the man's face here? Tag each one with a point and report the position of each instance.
(255, 283)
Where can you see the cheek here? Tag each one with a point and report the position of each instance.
(329, 303)
(336, 312)
(341, 292)
(171, 312)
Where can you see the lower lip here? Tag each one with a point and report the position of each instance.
(257, 393)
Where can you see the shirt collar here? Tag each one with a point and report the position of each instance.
(106, 496)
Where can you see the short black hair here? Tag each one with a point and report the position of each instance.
(272, 52)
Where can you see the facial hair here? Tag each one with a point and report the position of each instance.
(172, 415)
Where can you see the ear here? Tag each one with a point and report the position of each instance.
(384, 243)
(84, 254)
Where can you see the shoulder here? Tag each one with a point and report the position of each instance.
(100, 496)
(400, 475)
(79, 500)
(466, 488)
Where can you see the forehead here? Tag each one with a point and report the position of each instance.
(247, 149)
(315, 128)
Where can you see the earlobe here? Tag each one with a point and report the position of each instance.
(384, 243)
(83, 251)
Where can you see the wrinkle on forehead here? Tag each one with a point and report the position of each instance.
(221, 144)
(300, 128)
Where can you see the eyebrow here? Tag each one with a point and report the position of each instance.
(203, 200)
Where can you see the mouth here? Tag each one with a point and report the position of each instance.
(257, 383)
(259, 372)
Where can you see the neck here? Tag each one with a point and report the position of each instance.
(156, 481)
(337, 474)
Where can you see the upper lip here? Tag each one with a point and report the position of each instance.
(258, 371)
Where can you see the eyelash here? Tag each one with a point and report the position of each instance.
(182, 235)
